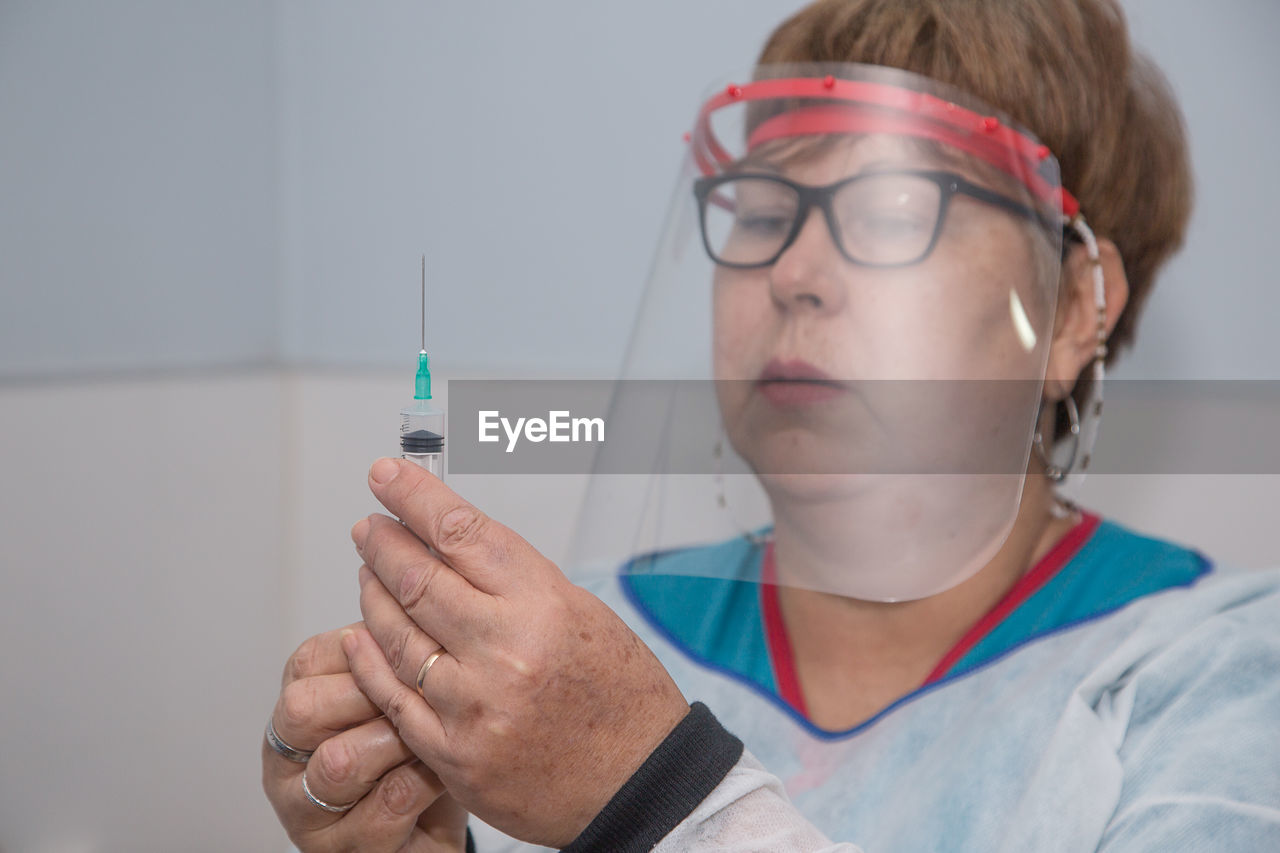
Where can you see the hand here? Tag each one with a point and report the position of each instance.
(543, 702)
(357, 757)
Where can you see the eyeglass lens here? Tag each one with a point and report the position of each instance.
(884, 219)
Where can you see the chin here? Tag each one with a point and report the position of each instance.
(819, 488)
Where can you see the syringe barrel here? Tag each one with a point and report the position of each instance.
(422, 436)
(433, 462)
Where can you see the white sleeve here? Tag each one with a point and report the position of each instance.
(700, 791)
(1201, 747)
(748, 810)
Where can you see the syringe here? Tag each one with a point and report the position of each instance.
(421, 423)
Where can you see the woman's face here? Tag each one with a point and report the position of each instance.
(841, 367)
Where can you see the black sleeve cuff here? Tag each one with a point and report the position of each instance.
(673, 780)
(471, 842)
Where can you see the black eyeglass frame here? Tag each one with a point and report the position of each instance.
(808, 197)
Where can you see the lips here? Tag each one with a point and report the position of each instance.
(796, 383)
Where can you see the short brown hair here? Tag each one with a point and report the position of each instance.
(1065, 70)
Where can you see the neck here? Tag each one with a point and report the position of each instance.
(880, 650)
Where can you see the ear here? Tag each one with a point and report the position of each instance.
(1075, 337)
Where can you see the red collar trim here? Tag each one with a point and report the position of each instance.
(1041, 573)
(775, 631)
(779, 641)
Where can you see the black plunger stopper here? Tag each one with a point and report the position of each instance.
(422, 441)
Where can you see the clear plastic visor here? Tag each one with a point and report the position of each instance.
(835, 373)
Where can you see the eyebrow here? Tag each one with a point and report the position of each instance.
(756, 165)
(755, 161)
(882, 165)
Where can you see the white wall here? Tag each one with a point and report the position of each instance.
(210, 218)
(225, 183)
(137, 185)
(528, 149)
(1212, 313)
(144, 614)
(478, 131)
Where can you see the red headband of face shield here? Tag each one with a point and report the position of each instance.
(851, 106)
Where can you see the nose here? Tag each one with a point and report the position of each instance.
(808, 275)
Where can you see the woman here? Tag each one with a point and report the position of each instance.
(929, 649)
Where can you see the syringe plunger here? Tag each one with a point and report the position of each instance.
(422, 436)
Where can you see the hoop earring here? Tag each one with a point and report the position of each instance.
(1084, 430)
(1055, 472)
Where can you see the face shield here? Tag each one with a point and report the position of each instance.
(838, 358)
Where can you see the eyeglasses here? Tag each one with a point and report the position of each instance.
(876, 219)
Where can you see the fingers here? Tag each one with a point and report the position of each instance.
(347, 766)
(415, 721)
(369, 766)
(476, 546)
(406, 647)
(444, 603)
(403, 643)
(396, 807)
(319, 655)
(386, 819)
(313, 709)
(356, 757)
(390, 817)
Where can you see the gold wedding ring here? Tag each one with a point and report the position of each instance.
(422, 673)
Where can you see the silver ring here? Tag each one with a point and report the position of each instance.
(290, 752)
(426, 667)
(316, 801)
